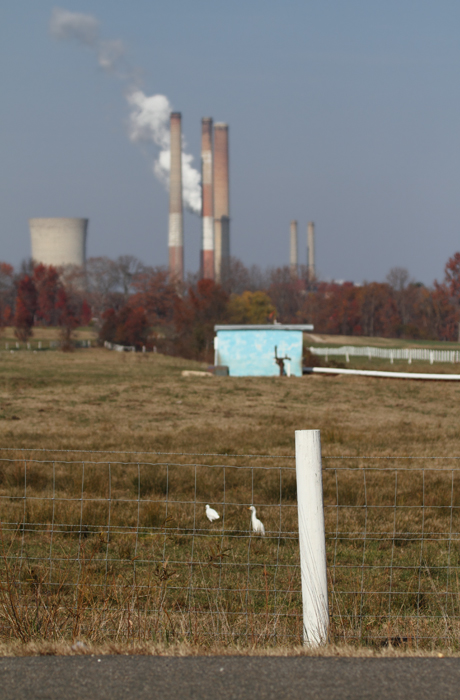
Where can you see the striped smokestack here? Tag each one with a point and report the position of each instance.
(311, 251)
(207, 204)
(176, 226)
(221, 203)
(293, 250)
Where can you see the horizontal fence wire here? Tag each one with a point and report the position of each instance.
(391, 354)
(392, 537)
(113, 550)
(123, 550)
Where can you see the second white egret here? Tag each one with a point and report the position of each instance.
(211, 514)
(257, 525)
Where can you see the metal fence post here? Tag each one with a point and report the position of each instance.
(312, 540)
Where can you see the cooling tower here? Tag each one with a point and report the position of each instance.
(311, 250)
(293, 249)
(59, 242)
(207, 210)
(221, 203)
(176, 230)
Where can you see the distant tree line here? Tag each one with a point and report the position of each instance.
(133, 304)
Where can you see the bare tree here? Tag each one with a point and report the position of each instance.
(126, 267)
(102, 284)
(243, 279)
(398, 278)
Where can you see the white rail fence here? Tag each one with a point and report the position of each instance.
(13, 346)
(108, 546)
(119, 348)
(391, 354)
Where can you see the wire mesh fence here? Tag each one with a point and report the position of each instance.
(393, 534)
(118, 547)
(119, 550)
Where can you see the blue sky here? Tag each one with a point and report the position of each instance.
(345, 113)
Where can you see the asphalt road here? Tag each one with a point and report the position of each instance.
(222, 678)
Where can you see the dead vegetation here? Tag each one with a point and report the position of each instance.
(119, 589)
(95, 399)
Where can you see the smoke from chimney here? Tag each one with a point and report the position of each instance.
(149, 115)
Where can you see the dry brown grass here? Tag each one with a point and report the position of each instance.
(97, 400)
(190, 649)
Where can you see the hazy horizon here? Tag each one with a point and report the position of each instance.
(346, 116)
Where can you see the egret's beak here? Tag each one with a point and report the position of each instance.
(249, 508)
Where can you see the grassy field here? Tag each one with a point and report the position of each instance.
(97, 399)
(133, 582)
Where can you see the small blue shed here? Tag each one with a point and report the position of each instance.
(249, 351)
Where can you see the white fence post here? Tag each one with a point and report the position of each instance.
(312, 539)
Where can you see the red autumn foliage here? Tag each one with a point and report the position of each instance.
(195, 316)
(108, 328)
(67, 317)
(85, 313)
(26, 306)
(128, 326)
(6, 293)
(452, 286)
(47, 285)
(138, 305)
(452, 275)
(154, 292)
(132, 327)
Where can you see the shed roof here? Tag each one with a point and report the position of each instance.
(268, 327)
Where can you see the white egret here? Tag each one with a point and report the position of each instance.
(211, 514)
(257, 525)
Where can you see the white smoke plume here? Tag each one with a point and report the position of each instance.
(149, 116)
(72, 25)
(149, 122)
(84, 29)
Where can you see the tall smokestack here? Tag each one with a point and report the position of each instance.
(176, 224)
(221, 203)
(293, 251)
(207, 203)
(311, 250)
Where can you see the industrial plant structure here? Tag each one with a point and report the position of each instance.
(221, 203)
(311, 251)
(207, 200)
(59, 241)
(176, 224)
(215, 212)
(293, 250)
